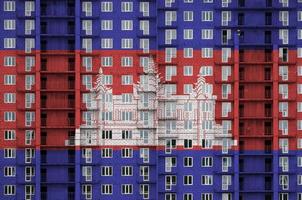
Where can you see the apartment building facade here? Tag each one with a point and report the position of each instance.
(151, 99)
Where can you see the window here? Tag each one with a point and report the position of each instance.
(29, 118)
(299, 161)
(107, 61)
(127, 6)
(9, 97)
(188, 180)
(299, 106)
(226, 182)
(188, 16)
(299, 143)
(207, 1)
(29, 26)
(9, 116)
(87, 26)
(9, 43)
(284, 181)
(127, 153)
(127, 188)
(87, 81)
(9, 135)
(126, 171)
(283, 35)
(299, 15)
(207, 34)
(127, 25)
(207, 16)
(170, 16)
(226, 54)
(87, 191)
(226, 108)
(29, 154)
(206, 161)
(188, 52)
(87, 172)
(107, 25)
(29, 172)
(169, 163)
(106, 189)
(144, 153)
(29, 136)
(29, 63)
(226, 162)
(9, 190)
(144, 26)
(188, 89)
(144, 45)
(126, 134)
(9, 6)
(299, 34)
(106, 171)
(10, 153)
(29, 7)
(144, 8)
(29, 99)
(127, 79)
(188, 106)
(170, 196)
(127, 61)
(299, 179)
(283, 196)
(188, 162)
(127, 43)
(226, 90)
(9, 24)
(225, 17)
(107, 43)
(206, 71)
(188, 196)
(207, 52)
(188, 70)
(144, 190)
(9, 171)
(106, 6)
(299, 52)
(226, 71)
(127, 97)
(87, 63)
(299, 88)
(188, 34)
(188, 144)
(206, 180)
(170, 71)
(87, 8)
(144, 172)
(9, 61)
(106, 153)
(87, 44)
(206, 196)
(284, 163)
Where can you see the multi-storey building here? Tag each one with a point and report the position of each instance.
(151, 99)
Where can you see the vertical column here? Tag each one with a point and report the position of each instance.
(77, 98)
(236, 116)
(38, 107)
(157, 59)
(275, 121)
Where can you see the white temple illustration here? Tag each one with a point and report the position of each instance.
(153, 115)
